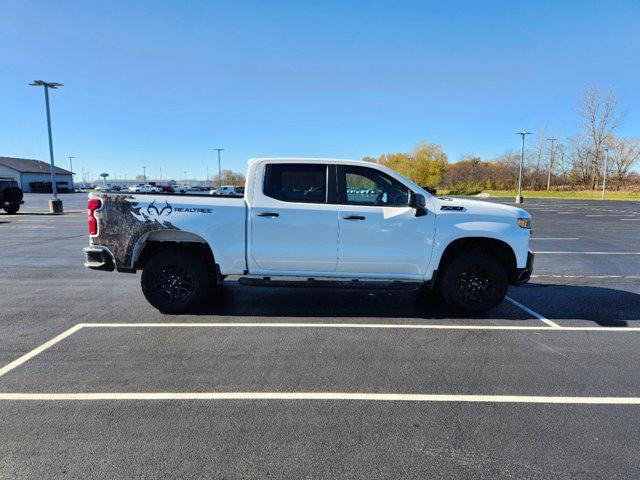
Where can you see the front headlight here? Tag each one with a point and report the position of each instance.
(524, 222)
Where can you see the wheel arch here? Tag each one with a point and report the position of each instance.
(499, 249)
(156, 240)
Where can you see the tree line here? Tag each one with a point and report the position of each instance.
(552, 161)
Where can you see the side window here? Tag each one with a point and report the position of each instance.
(296, 182)
(368, 186)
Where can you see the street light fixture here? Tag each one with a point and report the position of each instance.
(519, 198)
(55, 205)
(219, 169)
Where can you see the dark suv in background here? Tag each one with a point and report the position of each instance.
(10, 195)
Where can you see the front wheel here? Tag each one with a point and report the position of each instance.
(174, 280)
(11, 209)
(473, 282)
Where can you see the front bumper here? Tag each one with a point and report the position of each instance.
(524, 274)
(99, 258)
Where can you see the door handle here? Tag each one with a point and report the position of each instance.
(268, 214)
(354, 217)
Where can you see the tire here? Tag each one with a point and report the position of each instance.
(473, 282)
(12, 209)
(188, 273)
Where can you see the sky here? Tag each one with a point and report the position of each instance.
(160, 84)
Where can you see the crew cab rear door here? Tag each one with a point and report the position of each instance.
(293, 227)
(379, 234)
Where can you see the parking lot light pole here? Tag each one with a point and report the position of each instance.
(55, 205)
(219, 168)
(519, 198)
(144, 173)
(604, 177)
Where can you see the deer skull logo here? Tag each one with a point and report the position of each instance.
(166, 210)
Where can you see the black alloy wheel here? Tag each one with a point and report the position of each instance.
(174, 283)
(174, 280)
(473, 282)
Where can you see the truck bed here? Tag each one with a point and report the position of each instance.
(127, 220)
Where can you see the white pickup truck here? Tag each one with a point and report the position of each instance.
(322, 219)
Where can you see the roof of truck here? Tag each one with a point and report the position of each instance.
(305, 160)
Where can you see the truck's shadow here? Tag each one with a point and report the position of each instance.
(607, 307)
(604, 306)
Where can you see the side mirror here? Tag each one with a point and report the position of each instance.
(417, 201)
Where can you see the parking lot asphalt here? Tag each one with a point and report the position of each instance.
(535, 388)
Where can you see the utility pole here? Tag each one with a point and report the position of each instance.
(71, 170)
(185, 178)
(219, 168)
(55, 205)
(144, 173)
(551, 155)
(519, 198)
(161, 173)
(604, 178)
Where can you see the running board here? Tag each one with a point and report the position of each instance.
(315, 283)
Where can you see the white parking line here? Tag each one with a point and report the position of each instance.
(587, 253)
(629, 219)
(382, 326)
(16, 363)
(552, 327)
(552, 238)
(584, 276)
(531, 312)
(341, 396)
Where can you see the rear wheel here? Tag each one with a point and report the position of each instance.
(175, 280)
(474, 282)
(11, 209)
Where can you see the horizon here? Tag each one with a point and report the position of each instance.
(164, 87)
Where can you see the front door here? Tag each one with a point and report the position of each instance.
(379, 234)
(293, 226)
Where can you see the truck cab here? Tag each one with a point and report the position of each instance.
(339, 220)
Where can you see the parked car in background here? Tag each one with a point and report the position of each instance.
(227, 190)
(144, 188)
(103, 188)
(10, 195)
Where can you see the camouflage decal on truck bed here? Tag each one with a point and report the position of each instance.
(124, 220)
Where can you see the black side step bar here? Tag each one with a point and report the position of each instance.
(315, 283)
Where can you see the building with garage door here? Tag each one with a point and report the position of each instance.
(35, 175)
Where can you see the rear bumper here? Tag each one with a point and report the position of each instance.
(524, 274)
(99, 258)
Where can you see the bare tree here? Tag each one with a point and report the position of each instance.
(599, 121)
(626, 153)
(536, 156)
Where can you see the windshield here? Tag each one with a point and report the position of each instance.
(8, 183)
